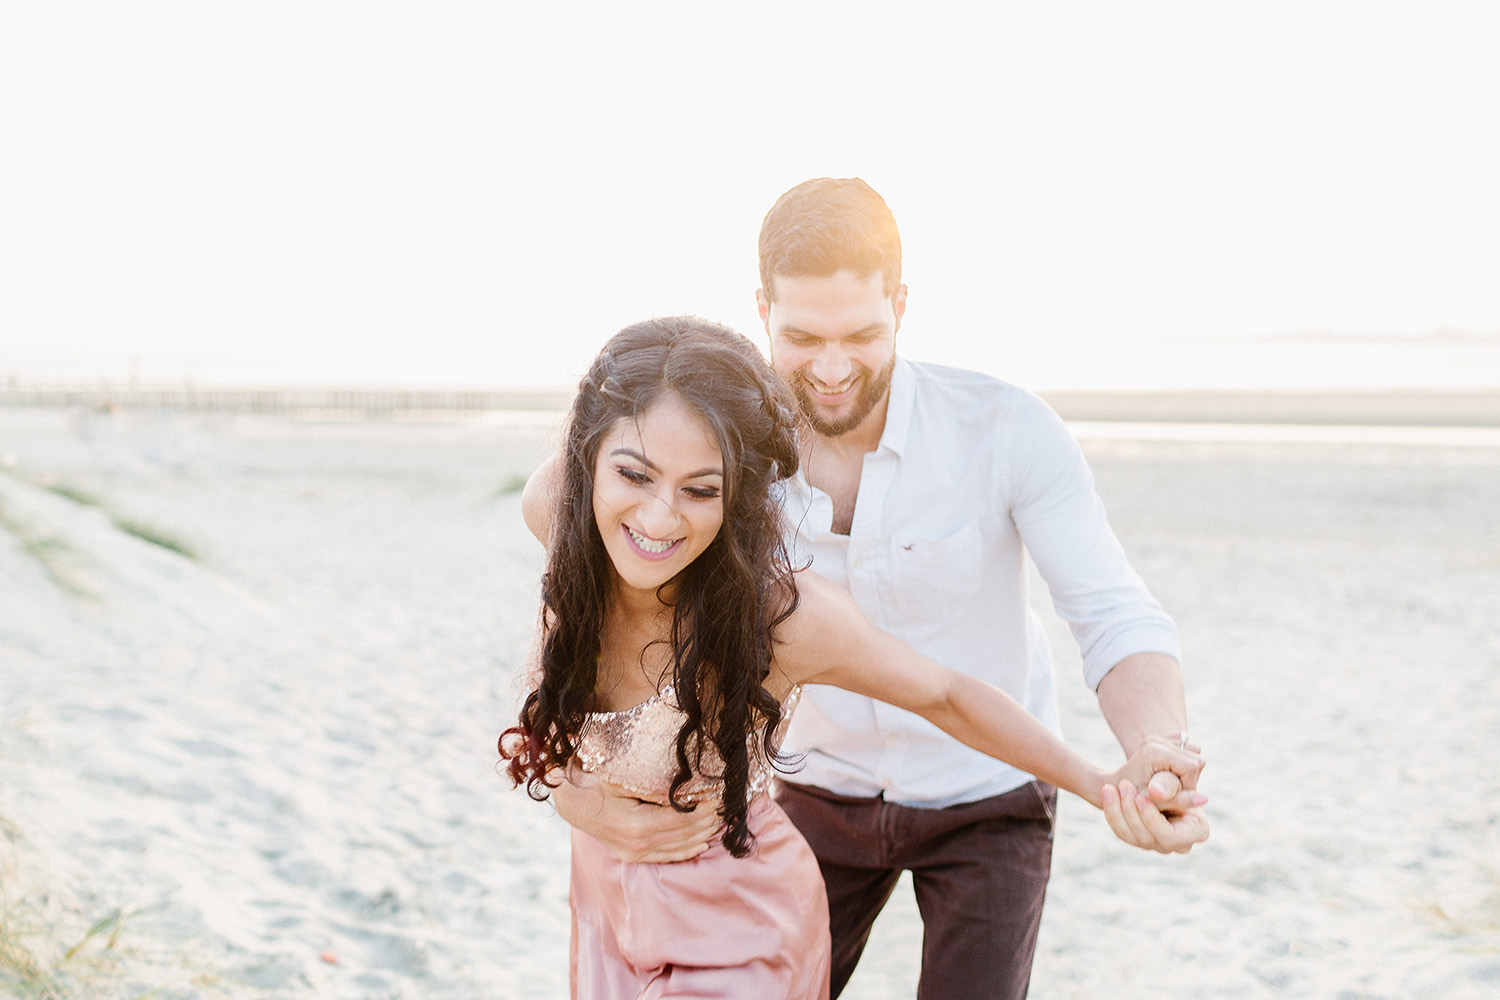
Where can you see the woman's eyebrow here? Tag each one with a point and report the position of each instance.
(632, 453)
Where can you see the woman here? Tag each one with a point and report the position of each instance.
(675, 638)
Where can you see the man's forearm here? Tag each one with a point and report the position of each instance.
(579, 802)
(634, 830)
(1142, 696)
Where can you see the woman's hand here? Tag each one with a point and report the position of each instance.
(1136, 819)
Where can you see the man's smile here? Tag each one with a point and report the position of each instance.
(830, 392)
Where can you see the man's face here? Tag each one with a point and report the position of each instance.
(833, 339)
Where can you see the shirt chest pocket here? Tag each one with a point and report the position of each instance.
(930, 572)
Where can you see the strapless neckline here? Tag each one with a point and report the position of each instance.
(636, 748)
(661, 695)
(670, 692)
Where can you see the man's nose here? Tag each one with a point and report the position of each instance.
(832, 365)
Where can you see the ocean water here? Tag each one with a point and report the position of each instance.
(1439, 362)
(1272, 363)
(1336, 363)
(1281, 433)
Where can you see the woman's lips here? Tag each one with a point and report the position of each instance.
(639, 543)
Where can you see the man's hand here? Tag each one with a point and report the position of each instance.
(1142, 695)
(1171, 825)
(634, 830)
(1164, 766)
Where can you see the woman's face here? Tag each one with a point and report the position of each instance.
(658, 492)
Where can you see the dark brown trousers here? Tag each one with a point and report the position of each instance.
(979, 871)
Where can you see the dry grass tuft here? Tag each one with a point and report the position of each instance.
(1479, 919)
(33, 966)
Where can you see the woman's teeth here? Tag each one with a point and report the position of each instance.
(649, 544)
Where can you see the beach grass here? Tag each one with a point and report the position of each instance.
(50, 550)
(53, 554)
(512, 484)
(156, 536)
(87, 968)
(81, 497)
(44, 957)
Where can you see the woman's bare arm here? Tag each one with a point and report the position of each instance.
(828, 640)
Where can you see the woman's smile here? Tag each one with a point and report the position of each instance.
(650, 547)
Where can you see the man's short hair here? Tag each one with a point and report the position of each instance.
(827, 225)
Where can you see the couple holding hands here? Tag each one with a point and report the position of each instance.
(786, 651)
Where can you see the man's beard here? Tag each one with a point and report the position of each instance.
(872, 391)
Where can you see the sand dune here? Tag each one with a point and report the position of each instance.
(282, 747)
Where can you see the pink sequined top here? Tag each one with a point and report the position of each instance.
(637, 750)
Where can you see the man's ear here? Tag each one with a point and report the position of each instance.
(763, 306)
(898, 304)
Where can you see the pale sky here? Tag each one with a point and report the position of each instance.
(481, 193)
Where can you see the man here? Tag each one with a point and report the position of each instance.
(922, 489)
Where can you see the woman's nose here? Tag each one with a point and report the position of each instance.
(658, 514)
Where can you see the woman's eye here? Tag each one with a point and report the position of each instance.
(703, 492)
(634, 476)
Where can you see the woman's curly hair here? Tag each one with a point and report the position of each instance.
(726, 605)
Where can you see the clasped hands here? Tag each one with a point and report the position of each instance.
(1166, 814)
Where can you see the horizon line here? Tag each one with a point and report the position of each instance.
(1447, 407)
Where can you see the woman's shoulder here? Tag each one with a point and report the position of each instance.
(818, 599)
(825, 617)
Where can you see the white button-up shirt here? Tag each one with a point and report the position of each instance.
(971, 473)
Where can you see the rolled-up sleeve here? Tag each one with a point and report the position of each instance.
(1061, 520)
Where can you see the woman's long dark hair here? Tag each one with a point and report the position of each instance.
(726, 605)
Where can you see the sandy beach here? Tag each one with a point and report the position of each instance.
(252, 670)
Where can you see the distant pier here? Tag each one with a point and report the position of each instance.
(331, 402)
(1411, 408)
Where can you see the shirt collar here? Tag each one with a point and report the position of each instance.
(898, 410)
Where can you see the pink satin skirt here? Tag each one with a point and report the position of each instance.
(715, 926)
